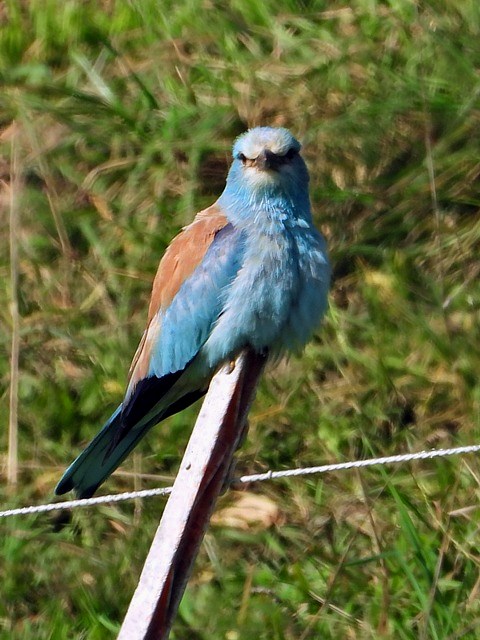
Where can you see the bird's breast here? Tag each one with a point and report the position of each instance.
(278, 295)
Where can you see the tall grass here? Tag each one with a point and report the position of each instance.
(124, 115)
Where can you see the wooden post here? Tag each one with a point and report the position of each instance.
(203, 472)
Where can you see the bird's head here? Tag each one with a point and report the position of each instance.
(268, 157)
(267, 175)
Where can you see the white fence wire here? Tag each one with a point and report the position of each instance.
(258, 477)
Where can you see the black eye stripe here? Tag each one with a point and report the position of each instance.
(279, 159)
(291, 153)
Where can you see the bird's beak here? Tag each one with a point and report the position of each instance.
(267, 160)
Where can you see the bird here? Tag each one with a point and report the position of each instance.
(251, 271)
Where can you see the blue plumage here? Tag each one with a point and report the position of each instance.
(188, 321)
(251, 270)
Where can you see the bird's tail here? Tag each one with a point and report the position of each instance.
(100, 458)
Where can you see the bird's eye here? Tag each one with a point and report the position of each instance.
(291, 153)
(242, 158)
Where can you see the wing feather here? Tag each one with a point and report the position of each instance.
(187, 296)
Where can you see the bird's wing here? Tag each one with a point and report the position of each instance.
(186, 301)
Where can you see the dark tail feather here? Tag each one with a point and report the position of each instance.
(99, 459)
(110, 447)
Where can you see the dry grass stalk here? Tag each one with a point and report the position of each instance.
(12, 455)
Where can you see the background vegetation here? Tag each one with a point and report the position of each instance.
(117, 120)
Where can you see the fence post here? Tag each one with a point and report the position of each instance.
(203, 471)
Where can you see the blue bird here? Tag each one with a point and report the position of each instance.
(251, 270)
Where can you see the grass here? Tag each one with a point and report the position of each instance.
(121, 117)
